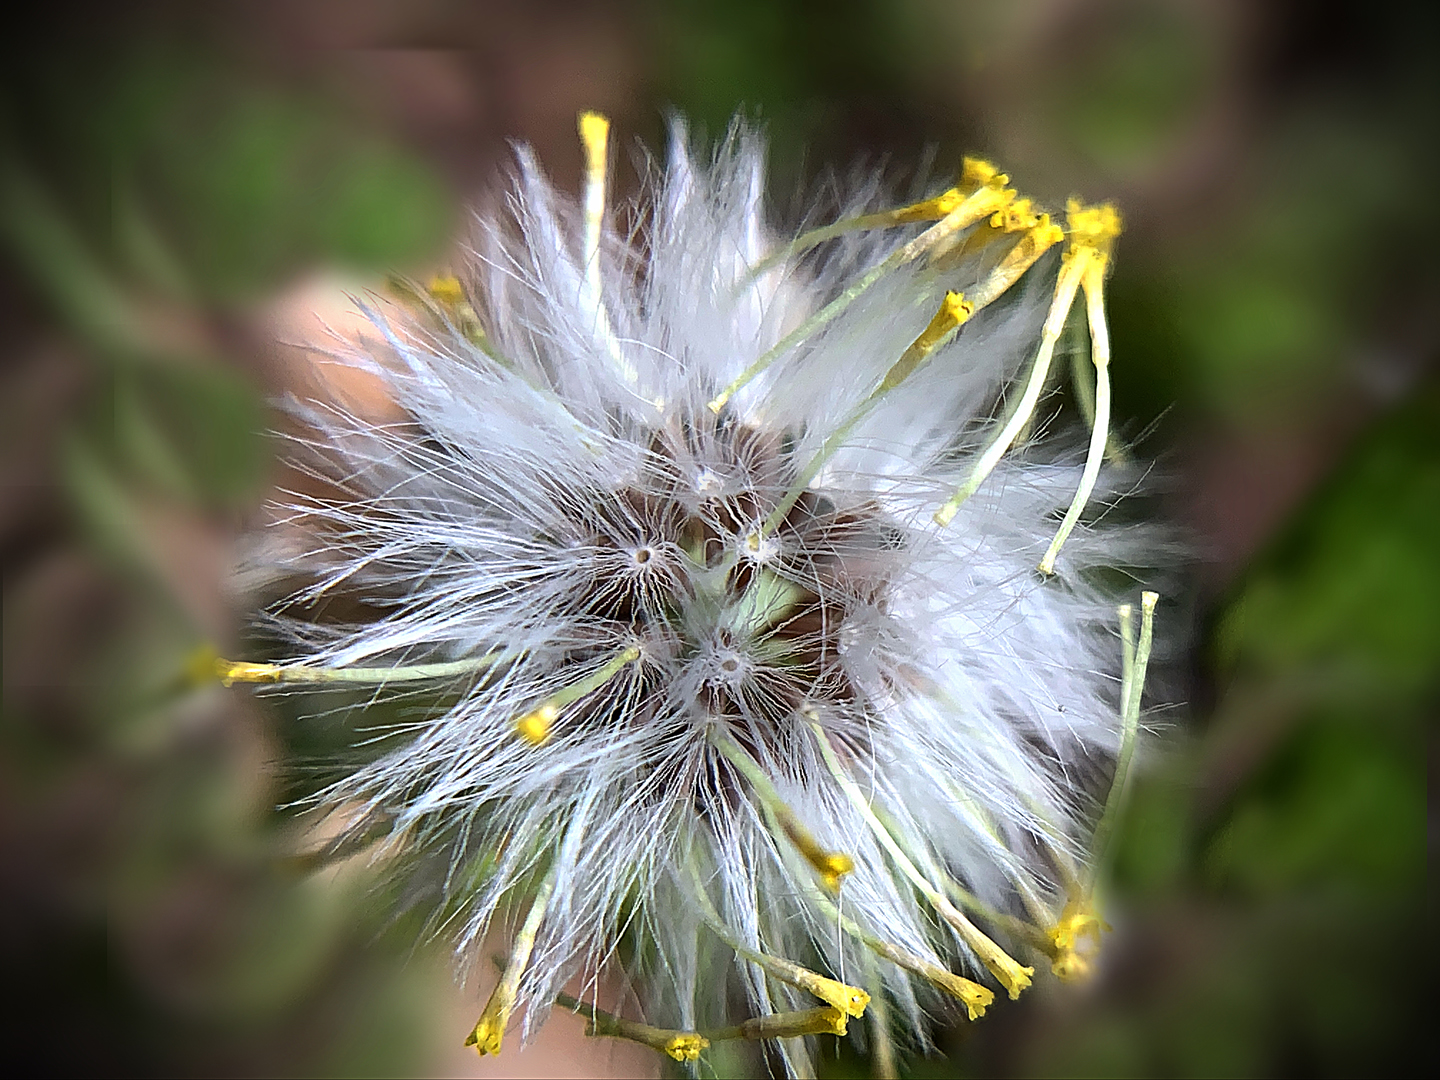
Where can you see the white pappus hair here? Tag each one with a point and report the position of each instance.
(710, 543)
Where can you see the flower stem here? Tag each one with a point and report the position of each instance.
(230, 672)
(985, 201)
(1065, 289)
(1135, 659)
(831, 866)
(954, 310)
(534, 726)
(972, 995)
(489, 1030)
(848, 999)
(680, 1045)
(974, 174)
(1013, 976)
(1093, 283)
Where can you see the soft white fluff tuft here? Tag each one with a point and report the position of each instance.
(704, 732)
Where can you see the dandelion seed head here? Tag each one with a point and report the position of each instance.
(660, 519)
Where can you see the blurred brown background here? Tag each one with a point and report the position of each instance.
(183, 189)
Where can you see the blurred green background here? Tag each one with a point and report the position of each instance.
(178, 186)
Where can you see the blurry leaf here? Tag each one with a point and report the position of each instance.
(57, 261)
(108, 512)
(147, 448)
(389, 1024)
(1344, 605)
(1123, 103)
(1302, 812)
(1270, 304)
(793, 67)
(1114, 1046)
(145, 252)
(1339, 804)
(1259, 325)
(1220, 1021)
(258, 185)
(1153, 854)
(190, 433)
(290, 935)
(719, 60)
(1352, 582)
(174, 554)
(211, 417)
(382, 208)
(200, 181)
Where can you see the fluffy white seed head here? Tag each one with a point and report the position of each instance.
(673, 686)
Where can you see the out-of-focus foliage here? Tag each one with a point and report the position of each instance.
(199, 181)
(1272, 305)
(155, 915)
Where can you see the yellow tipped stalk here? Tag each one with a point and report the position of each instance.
(1091, 233)
(680, 1045)
(972, 995)
(1078, 925)
(974, 174)
(1148, 600)
(230, 672)
(842, 997)
(1135, 658)
(826, 1020)
(980, 205)
(535, 726)
(926, 210)
(446, 289)
(685, 1045)
(1093, 282)
(882, 1047)
(1065, 288)
(1012, 975)
(443, 298)
(1018, 217)
(1035, 242)
(953, 312)
(831, 866)
(1080, 920)
(594, 137)
(850, 1000)
(595, 140)
(489, 1030)
(977, 173)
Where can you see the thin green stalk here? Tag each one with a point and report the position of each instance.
(230, 672)
(1134, 660)
(1013, 976)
